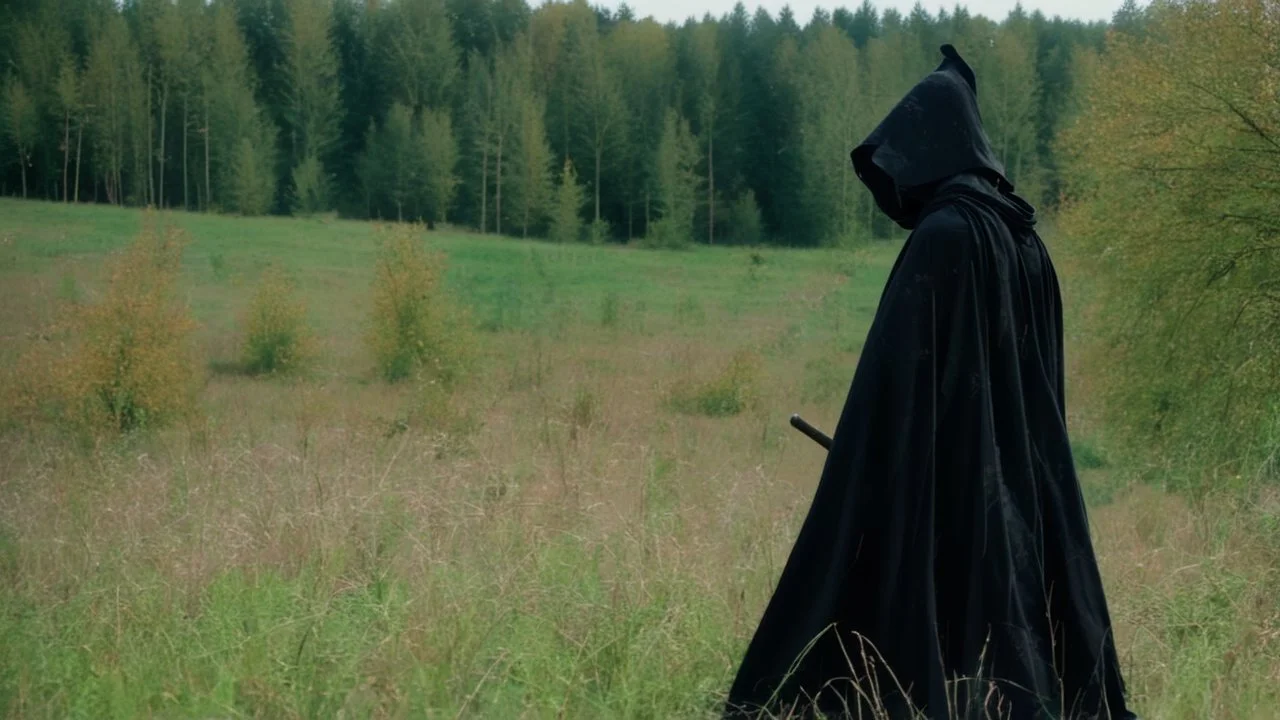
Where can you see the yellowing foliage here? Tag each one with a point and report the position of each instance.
(124, 361)
(414, 327)
(1173, 171)
(276, 337)
(735, 389)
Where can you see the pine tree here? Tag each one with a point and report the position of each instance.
(677, 184)
(312, 111)
(745, 224)
(642, 57)
(36, 54)
(311, 189)
(704, 62)
(156, 96)
(231, 114)
(566, 221)
(510, 82)
(421, 53)
(597, 106)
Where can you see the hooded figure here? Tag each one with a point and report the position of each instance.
(945, 568)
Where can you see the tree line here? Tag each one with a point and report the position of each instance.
(567, 120)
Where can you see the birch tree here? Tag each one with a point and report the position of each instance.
(21, 122)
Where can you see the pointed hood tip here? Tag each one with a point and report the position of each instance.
(951, 58)
(933, 133)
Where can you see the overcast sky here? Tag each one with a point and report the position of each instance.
(679, 10)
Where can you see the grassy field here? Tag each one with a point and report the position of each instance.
(567, 543)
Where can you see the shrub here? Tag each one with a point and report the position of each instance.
(415, 328)
(218, 264)
(276, 338)
(310, 187)
(734, 390)
(599, 232)
(609, 309)
(668, 234)
(1087, 456)
(746, 227)
(125, 361)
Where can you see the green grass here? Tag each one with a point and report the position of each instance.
(564, 539)
(508, 285)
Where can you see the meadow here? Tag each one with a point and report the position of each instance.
(586, 529)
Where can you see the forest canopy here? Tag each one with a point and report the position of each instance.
(469, 111)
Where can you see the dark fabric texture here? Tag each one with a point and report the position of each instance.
(945, 564)
(932, 134)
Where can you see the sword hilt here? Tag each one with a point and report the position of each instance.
(812, 432)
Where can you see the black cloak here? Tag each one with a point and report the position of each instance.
(946, 560)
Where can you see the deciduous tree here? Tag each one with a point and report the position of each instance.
(312, 112)
(21, 120)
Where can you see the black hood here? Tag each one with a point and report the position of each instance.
(934, 133)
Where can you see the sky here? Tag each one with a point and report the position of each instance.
(679, 10)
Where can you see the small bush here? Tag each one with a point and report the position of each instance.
(276, 338)
(746, 227)
(756, 268)
(599, 232)
(218, 264)
(609, 310)
(736, 389)
(310, 187)
(123, 362)
(668, 234)
(1087, 456)
(415, 328)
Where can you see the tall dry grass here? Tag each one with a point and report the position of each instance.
(565, 557)
(548, 538)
